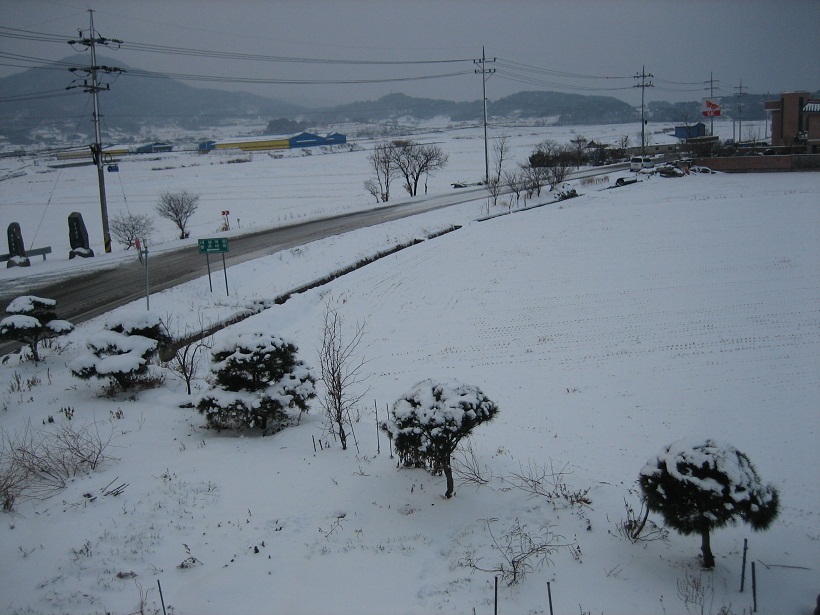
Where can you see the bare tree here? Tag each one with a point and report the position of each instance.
(558, 173)
(178, 207)
(128, 227)
(578, 143)
(341, 372)
(383, 164)
(186, 361)
(533, 178)
(414, 160)
(372, 186)
(501, 149)
(514, 181)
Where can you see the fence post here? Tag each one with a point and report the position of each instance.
(161, 597)
(754, 589)
(743, 569)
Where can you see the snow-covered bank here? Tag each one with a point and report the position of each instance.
(604, 327)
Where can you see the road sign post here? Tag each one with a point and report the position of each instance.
(216, 245)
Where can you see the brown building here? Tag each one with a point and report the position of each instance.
(788, 118)
(811, 114)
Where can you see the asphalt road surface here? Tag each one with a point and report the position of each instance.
(81, 297)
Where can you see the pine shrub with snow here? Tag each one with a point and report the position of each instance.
(31, 320)
(701, 486)
(428, 422)
(256, 378)
(122, 352)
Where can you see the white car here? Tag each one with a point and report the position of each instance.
(638, 163)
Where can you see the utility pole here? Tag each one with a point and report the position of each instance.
(93, 88)
(740, 89)
(643, 76)
(711, 89)
(485, 73)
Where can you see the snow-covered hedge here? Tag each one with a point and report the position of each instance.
(255, 379)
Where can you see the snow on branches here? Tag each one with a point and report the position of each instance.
(428, 422)
(31, 320)
(698, 486)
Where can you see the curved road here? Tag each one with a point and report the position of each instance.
(84, 296)
(81, 297)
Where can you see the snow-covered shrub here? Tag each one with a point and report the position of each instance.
(32, 319)
(704, 485)
(122, 351)
(255, 378)
(428, 422)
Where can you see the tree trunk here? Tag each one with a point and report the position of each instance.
(448, 473)
(706, 549)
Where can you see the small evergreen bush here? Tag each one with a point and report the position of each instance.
(428, 422)
(31, 320)
(122, 352)
(256, 378)
(700, 486)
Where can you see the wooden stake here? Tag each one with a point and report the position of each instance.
(378, 440)
(161, 598)
(549, 596)
(743, 569)
(754, 589)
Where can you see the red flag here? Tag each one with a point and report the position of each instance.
(712, 109)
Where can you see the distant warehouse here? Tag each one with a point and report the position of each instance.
(259, 144)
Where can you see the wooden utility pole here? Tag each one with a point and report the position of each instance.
(93, 88)
(711, 89)
(485, 73)
(740, 89)
(643, 76)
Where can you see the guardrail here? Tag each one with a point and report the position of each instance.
(35, 252)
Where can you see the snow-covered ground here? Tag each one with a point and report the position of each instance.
(604, 327)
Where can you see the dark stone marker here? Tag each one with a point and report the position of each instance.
(78, 236)
(17, 249)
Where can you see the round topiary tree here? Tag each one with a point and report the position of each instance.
(255, 379)
(701, 486)
(31, 320)
(122, 352)
(428, 422)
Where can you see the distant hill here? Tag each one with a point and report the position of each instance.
(566, 108)
(132, 104)
(36, 108)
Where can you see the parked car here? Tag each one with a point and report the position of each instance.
(638, 163)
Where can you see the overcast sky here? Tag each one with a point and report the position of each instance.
(579, 46)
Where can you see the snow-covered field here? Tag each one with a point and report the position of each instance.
(604, 327)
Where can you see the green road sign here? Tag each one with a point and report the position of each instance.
(213, 245)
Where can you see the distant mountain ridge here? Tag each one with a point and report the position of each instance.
(37, 109)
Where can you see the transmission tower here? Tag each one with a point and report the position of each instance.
(643, 76)
(485, 74)
(94, 87)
